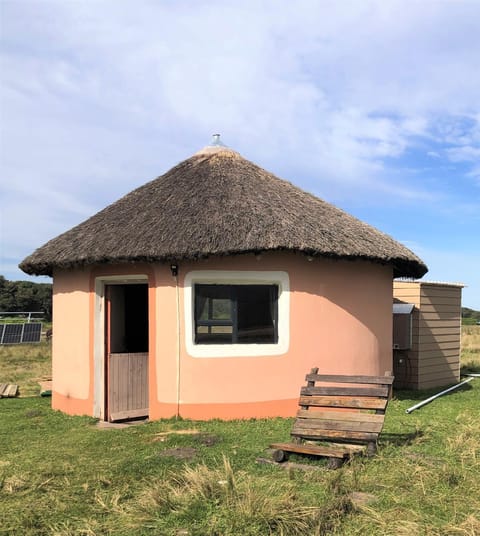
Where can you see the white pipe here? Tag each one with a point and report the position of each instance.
(420, 404)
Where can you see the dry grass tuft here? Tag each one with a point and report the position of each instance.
(470, 359)
(469, 527)
(239, 500)
(15, 483)
(67, 529)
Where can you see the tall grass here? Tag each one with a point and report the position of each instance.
(243, 504)
(470, 358)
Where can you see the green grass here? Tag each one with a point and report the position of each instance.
(25, 365)
(62, 475)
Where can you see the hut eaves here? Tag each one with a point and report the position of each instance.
(218, 203)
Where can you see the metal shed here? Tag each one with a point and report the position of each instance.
(426, 333)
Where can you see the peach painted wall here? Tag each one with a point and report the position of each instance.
(340, 321)
(71, 367)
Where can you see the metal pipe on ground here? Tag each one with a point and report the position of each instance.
(428, 400)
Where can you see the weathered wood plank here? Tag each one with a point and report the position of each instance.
(8, 390)
(345, 391)
(11, 390)
(129, 414)
(337, 378)
(316, 450)
(128, 385)
(344, 416)
(337, 434)
(360, 402)
(340, 425)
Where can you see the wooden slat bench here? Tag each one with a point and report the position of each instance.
(339, 416)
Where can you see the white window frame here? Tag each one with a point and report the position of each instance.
(230, 277)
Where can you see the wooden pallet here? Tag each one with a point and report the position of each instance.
(339, 416)
(8, 390)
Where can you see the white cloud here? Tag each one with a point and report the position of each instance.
(98, 98)
(465, 153)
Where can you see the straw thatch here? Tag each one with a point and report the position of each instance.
(218, 203)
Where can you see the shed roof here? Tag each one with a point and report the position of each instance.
(218, 203)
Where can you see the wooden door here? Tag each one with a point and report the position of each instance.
(128, 386)
(126, 352)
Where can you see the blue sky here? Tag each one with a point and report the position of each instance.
(372, 105)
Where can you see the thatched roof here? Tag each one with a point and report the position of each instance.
(218, 203)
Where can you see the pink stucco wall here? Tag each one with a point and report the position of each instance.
(340, 321)
(70, 345)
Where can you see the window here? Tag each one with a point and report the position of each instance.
(236, 314)
(233, 313)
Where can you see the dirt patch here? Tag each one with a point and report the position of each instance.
(163, 436)
(32, 413)
(181, 453)
(208, 440)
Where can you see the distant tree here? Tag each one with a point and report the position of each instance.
(7, 300)
(25, 296)
(470, 316)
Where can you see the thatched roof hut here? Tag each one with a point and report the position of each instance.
(217, 203)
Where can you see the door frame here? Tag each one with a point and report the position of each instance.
(99, 346)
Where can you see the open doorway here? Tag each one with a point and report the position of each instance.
(126, 349)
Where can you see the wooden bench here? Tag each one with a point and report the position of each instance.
(339, 416)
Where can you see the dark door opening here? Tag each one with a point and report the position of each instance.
(126, 351)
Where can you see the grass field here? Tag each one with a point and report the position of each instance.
(62, 475)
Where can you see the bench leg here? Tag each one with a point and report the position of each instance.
(279, 455)
(334, 463)
(371, 449)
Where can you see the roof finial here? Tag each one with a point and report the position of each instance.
(216, 142)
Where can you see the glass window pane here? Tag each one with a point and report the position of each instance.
(257, 306)
(213, 302)
(221, 309)
(242, 314)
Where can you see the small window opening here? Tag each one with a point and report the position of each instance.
(236, 314)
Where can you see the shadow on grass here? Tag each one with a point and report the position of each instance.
(399, 440)
(427, 393)
(470, 368)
